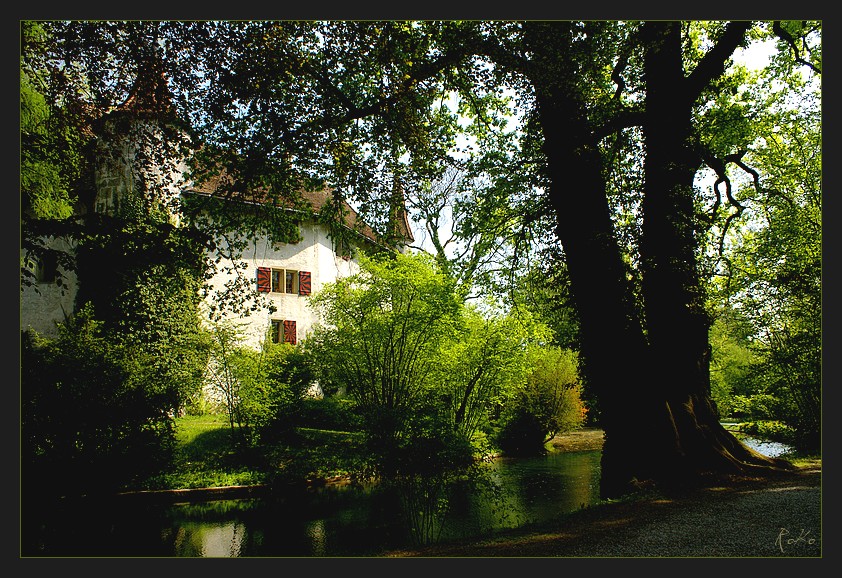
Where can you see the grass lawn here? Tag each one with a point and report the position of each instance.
(207, 455)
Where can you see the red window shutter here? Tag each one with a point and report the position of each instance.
(303, 282)
(289, 332)
(264, 279)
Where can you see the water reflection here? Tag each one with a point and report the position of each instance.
(316, 533)
(767, 448)
(344, 521)
(210, 540)
(324, 522)
(362, 521)
(424, 504)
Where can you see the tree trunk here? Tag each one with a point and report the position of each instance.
(653, 386)
(611, 339)
(687, 440)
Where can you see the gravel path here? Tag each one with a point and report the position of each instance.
(776, 521)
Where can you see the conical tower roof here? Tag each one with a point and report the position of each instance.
(399, 228)
(150, 94)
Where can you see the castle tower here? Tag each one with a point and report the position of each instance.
(141, 150)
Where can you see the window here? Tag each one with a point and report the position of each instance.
(343, 249)
(46, 269)
(283, 281)
(284, 331)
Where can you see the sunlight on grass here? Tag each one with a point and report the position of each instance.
(208, 455)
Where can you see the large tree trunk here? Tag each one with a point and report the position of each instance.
(611, 338)
(653, 387)
(686, 440)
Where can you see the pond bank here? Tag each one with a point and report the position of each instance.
(780, 516)
(582, 440)
(587, 439)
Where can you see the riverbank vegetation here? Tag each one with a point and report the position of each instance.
(207, 454)
(412, 379)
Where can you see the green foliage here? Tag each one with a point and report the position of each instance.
(482, 363)
(547, 403)
(284, 105)
(381, 329)
(733, 362)
(260, 391)
(770, 429)
(758, 406)
(329, 413)
(286, 375)
(88, 417)
(774, 268)
(143, 280)
(100, 398)
(425, 372)
(53, 157)
(422, 370)
(52, 154)
(545, 291)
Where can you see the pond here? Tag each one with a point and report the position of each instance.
(346, 521)
(329, 521)
(767, 447)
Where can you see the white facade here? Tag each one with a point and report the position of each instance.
(313, 255)
(127, 180)
(45, 304)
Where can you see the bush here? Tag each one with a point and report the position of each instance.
(759, 406)
(330, 413)
(88, 417)
(522, 434)
(770, 430)
(549, 402)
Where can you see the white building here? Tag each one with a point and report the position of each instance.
(283, 275)
(286, 274)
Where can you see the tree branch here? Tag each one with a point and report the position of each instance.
(625, 118)
(788, 39)
(712, 64)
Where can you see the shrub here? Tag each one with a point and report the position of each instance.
(549, 402)
(522, 433)
(330, 413)
(770, 430)
(260, 391)
(87, 415)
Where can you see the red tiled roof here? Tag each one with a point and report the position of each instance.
(150, 93)
(314, 200)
